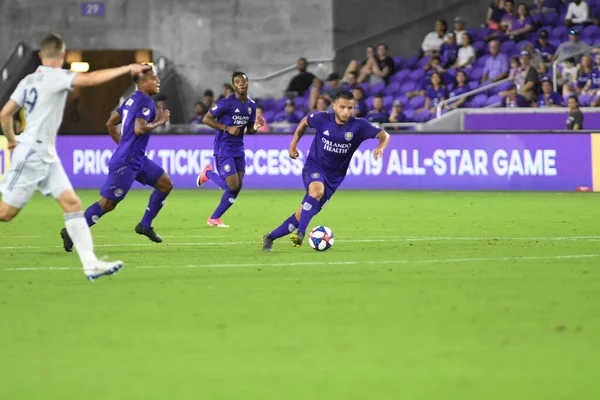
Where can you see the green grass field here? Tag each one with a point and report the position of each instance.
(423, 296)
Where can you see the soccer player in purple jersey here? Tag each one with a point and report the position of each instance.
(231, 117)
(338, 136)
(129, 163)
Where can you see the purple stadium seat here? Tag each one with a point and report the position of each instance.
(555, 42)
(409, 114)
(300, 114)
(417, 102)
(479, 101)
(597, 41)
(289, 128)
(476, 73)
(422, 61)
(268, 103)
(402, 99)
(369, 101)
(479, 46)
(268, 116)
(280, 104)
(366, 88)
(507, 46)
(408, 87)
(493, 100)
(280, 116)
(522, 43)
(421, 116)
(417, 74)
(584, 100)
(592, 30)
(398, 62)
(411, 62)
(387, 101)
(480, 62)
(559, 32)
(377, 88)
(448, 79)
(537, 19)
(403, 73)
(482, 33)
(392, 88)
(551, 18)
(473, 85)
(396, 79)
(473, 32)
(450, 86)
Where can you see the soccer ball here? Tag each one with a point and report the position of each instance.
(321, 238)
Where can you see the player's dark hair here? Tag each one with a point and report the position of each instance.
(238, 73)
(52, 45)
(136, 77)
(345, 95)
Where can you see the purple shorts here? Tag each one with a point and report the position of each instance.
(121, 178)
(312, 173)
(227, 165)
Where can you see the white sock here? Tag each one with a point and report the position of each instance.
(80, 234)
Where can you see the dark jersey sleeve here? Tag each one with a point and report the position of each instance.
(314, 119)
(367, 129)
(220, 108)
(578, 119)
(146, 111)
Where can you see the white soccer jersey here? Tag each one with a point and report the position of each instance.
(43, 94)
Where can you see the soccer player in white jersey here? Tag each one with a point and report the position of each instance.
(35, 162)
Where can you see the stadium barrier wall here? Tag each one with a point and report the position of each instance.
(474, 161)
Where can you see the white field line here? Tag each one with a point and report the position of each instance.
(373, 239)
(331, 263)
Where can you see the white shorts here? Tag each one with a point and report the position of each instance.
(28, 172)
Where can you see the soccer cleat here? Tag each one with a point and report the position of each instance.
(202, 178)
(216, 222)
(102, 268)
(267, 243)
(67, 242)
(148, 232)
(297, 239)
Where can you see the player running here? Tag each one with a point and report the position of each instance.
(231, 117)
(129, 163)
(338, 136)
(35, 162)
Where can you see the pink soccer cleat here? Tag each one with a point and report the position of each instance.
(202, 178)
(216, 222)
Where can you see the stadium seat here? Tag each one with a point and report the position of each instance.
(411, 62)
(377, 88)
(392, 89)
(417, 102)
(479, 101)
(550, 18)
(408, 87)
(417, 74)
(398, 62)
(493, 100)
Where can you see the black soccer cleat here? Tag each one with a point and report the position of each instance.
(67, 242)
(149, 233)
(267, 243)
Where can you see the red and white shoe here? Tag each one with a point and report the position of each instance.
(202, 178)
(216, 222)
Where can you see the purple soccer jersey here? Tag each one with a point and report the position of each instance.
(231, 112)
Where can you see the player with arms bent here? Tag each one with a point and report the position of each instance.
(137, 116)
(35, 162)
(338, 136)
(231, 116)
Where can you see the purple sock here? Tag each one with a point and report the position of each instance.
(227, 201)
(288, 226)
(157, 201)
(93, 214)
(216, 178)
(310, 208)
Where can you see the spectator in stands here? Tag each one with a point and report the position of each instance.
(397, 114)
(460, 87)
(260, 112)
(160, 101)
(549, 98)
(350, 81)
(574, 45)
(449, 51)
(434, 40)
(529, 81)
(360, 106)
(578, 13)
(459, 28)
(466, 54)
(290, 113)
(379, 68)
(358, 68)
(496, 65)
(575, 120)
(333, 86)
(226, 91)
(209, 99)
(495, 13)
(512, 99)
(322, 104)
(378, 113)
(435, 93)
(545, 6)
(521, 24)
(199, 112)
(568, 76)
(536, 59)
(515, 68)
(301, 82)
(544, 48)
(583, 77)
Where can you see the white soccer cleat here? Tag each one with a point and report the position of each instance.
(216, 222)
(102, 268)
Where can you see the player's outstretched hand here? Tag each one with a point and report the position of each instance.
(377, 154)
(260, 122)
(294, 152)
(138, 69)
(163, 117)
(233, 130)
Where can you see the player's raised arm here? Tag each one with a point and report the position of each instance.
(384, 141)
(300, 130)
(143, 127)
(112, 124)
(104, 75)
(6, 120)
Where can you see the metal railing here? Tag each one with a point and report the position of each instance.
(471, 93)
(292, 67)
(555, 63)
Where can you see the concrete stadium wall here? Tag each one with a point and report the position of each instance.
(205, 39)
(401, 24)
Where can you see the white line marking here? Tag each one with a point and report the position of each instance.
(332, 263)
